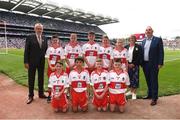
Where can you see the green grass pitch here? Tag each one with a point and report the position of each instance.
(169, 76)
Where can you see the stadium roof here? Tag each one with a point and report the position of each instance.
(38, 8)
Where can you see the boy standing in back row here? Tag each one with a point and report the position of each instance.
(90, 52)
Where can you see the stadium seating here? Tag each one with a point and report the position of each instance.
(20, 25)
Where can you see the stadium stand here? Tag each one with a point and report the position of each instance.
(56, 20)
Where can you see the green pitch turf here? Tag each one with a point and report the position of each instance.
(169, 76)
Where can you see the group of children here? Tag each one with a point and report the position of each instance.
(92, 67)
(108, 87)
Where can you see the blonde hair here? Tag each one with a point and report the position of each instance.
(120, 40)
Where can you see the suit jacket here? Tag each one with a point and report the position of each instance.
(137, 54)
(33, 54)
(156, 51)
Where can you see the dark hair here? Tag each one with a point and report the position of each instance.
(133, 36)
(59, 62)
(118, 60)
(54, 36)
(79, 59)
(91, 33)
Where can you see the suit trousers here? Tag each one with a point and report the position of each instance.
(151, 75)
(31, 77)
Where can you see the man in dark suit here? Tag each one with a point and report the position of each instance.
(34, 58)
(153, 59)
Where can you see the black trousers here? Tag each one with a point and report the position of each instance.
(151, 75)
(31, 77)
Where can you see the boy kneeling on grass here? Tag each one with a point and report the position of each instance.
(119, 80)
(99, 82)
(58, 85)
(79, 86)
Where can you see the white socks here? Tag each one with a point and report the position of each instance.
(133, 95)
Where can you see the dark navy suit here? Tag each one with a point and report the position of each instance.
(150, 67)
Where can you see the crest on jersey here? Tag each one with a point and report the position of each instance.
(74, 77)
(84, 77)
(101, 86)
(108, 51)
(123, 79)
(62, 81)
(95, 47)
(104, 78)
(79, 85)
(58, 51)
(76, 50)
(124, 54)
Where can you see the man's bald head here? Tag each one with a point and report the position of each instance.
(149, 31)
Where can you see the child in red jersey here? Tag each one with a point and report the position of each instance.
(99, 83)
(58, 83)
(54, 53)
(119, 81)
(122, 53)
(72, 51)
(106, 53)
(90, 52)
(79, 86)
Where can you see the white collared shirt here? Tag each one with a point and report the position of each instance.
(130, 54)
(147, 48)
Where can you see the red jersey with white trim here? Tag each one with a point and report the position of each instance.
(79, 81)
(121, 54)
(57, 83)
(99, 80)
(90, 51)
(106, 54)
(72, 52)
(118, 82)
(54, 54)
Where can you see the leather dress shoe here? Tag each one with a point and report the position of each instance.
(153, 102)
(43, 96)
(147, 97)
(30, 99)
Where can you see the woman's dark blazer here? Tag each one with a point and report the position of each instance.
(137, 54)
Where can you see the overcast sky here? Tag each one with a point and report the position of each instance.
(134, 15)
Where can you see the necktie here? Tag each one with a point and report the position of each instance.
(39, 40)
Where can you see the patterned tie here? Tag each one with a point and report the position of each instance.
(39, 40)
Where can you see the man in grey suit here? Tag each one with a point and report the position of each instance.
(153, 60)
(34, 58)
